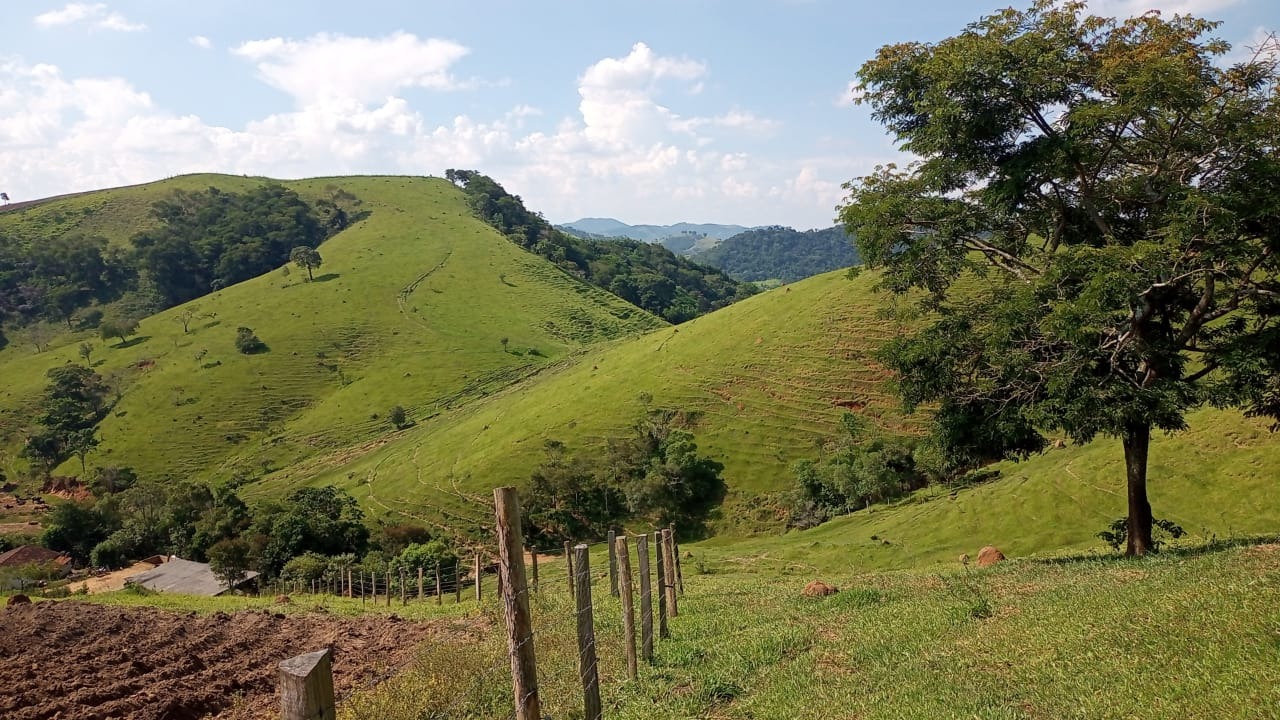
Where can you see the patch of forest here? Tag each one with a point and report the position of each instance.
(781, 253)
(644, 274)
(205, 241)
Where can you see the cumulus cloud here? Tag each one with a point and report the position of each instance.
(629, 151)
(326, 67)
(201, 42)
(97, 15)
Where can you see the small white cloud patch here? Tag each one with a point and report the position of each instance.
(201, 42)
(97, 15)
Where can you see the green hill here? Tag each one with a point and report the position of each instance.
(781, 253)
(419, 305)
(412, 307)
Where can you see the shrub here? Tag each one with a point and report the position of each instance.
(249, 343)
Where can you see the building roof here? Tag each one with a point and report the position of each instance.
(30, 555)
(185, 577)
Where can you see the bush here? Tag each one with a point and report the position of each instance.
(249, 343)
(1117, 534)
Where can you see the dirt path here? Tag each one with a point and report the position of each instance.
(69, 660)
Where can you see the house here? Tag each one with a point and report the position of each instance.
(185, 577)
(44, 564)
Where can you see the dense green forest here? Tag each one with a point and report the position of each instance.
(644, 274)
(204, 241)
(782, 253)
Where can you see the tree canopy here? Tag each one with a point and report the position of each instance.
(1094, 218)
(781, 253)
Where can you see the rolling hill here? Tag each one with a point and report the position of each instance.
(412, 307)
(781, 253)
(419, 305)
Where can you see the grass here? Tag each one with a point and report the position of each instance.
(415, 303)
(1177, 636)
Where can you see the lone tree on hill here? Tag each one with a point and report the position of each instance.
(306, 257)
(119, 327)
(1095, 221)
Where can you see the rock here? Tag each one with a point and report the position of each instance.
(283, 600)
(817, 588)
(989, 556)
(18, 599)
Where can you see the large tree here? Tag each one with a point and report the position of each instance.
(1093, 219)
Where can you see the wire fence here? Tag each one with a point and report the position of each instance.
(572, 643)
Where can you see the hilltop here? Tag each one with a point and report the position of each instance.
(679, 237)
(419, 305)
(781, 253)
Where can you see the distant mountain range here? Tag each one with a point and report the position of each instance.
(767, 252)
(608, 227)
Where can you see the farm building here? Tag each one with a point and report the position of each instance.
(49, 564)
(185, 577)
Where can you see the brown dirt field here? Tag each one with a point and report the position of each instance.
(70, 660)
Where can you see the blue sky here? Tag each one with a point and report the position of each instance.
(731, 111)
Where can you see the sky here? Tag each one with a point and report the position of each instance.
(657, 111)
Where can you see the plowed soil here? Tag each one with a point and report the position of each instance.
(69, 660)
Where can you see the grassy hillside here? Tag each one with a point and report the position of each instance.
(769, 376)
(410, 307)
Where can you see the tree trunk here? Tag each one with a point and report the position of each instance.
(1137, 440)
(310, 277)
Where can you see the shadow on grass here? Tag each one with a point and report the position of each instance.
(136, 340)
(1182, 551)
(327, 277)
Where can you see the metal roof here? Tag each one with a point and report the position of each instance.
(185, 577)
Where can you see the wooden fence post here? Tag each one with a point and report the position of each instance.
(646, 599)
(388, 585)
(306, 687)
(675, 546)
(587, 669)
(669, 583)
(457, 582)
(613, 564)
(660, 556)
(362, 592)
(420, 593)
(477, 577)
(533, 555)
(404, 596)
(568, 565)
(515, 604)
(439, 590)
(628, 612)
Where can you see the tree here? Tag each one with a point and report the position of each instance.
(117, 326)
(229, 559)
(73, 404)
(186, 315)
(397, 417)
(307, 258)
(248, 342)
(86, 350)
(1095, 221)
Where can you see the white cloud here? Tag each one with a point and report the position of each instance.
(96, 14)
(626, 152)
(201, 42)
(326, 68)
(1129, 8)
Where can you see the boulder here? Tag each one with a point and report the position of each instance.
(817, 588)
(18, 599)
(989, 556)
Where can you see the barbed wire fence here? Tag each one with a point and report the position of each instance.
(617, 612)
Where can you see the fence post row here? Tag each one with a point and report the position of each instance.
(669, 582)
(515, 604)
(613, 565)
(306, 687)
(646, 599)
(628, 612)
(587, 669)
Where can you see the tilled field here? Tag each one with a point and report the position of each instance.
(70, 660)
